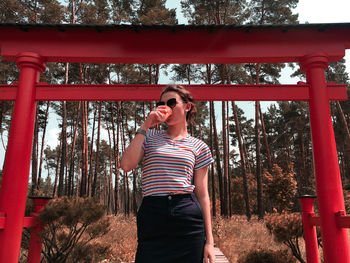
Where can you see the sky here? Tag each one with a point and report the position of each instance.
(311, 11)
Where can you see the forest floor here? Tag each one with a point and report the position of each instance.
(234, 236)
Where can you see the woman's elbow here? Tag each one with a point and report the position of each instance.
(129, 162)
(125, 165)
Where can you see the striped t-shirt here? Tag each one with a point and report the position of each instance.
(169, 164)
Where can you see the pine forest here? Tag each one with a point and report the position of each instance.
(262, 164)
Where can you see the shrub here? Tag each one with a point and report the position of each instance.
(237, 196)
(71, 226)
(267, 256)
(279, 188)
(287, 229)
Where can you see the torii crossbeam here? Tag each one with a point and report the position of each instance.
(313, 46)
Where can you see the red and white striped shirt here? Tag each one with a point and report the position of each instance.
(169, 164)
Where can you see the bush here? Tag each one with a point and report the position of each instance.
(279, 188)
(237, 196)
(267, 256)
(71, 226)
(287, 229)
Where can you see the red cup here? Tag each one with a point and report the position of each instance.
(165, 110)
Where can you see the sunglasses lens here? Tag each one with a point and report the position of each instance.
(171, 103)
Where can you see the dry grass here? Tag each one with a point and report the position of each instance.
(122, 238)
(236, 237)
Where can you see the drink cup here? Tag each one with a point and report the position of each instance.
(166, 111)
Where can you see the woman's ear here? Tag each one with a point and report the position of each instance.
(188, 106)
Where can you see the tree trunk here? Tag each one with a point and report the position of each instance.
(218, 163)
(346, 128)
(228, 159)
(225, 157)
(71, 165)
(258, 162)
(134, 186)
(93, 190)
(243, 161)
(116, 158)
(257, 152)
(126, 179)
(91, 170)
(57, 170)
(43, 143)
(267, 147)
(212, 166)
(110, 177)
(35, 153)
(64, 150)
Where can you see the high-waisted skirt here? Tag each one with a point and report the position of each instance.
(170, 229)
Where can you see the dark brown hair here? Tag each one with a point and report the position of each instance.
(186, 97)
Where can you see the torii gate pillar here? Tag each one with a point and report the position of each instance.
(328, 182)
(13, 192)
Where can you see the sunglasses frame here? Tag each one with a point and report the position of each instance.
(171, 104)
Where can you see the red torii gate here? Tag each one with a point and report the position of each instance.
(310, 45)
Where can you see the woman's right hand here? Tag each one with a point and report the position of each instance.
(155, 117)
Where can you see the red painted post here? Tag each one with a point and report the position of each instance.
(328, 183)
(310, 234)
(13, 192)
(35, 244)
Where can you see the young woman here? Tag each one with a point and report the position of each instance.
(173, 221)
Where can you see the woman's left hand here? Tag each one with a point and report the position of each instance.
(209, 253)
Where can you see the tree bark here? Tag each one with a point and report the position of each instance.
(346, 128)
(43, 143)
(218, 163)
(57, 170)
(97, 159)
(64, 150)
(225, 158)
(243, 161)
(257, 152)
(267, 147)
(212, 166)
(71, 165)
(35, 154)
(116, 158)
(228, 159)
(91, 169)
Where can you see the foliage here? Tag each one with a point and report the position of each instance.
(287, 229)
(288, 129)
(280, 188)
(267, 256)
(237, 196)
(72, 226)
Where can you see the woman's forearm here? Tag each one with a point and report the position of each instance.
(133, 153)
(205, 205)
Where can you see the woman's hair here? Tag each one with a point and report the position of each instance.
(186, 97)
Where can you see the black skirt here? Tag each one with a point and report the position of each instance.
(170, 229)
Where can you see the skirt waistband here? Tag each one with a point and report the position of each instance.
(168, 196)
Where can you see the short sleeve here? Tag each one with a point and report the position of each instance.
(145, 141)
(204, 157)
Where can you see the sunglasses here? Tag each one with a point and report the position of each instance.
(171, 103)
